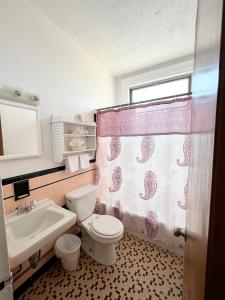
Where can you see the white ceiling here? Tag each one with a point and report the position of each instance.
(126, 35)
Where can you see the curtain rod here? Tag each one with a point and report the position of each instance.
(145, 101)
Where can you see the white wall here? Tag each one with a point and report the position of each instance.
(159, 72)
(37, 56)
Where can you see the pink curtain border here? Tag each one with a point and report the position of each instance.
(187, 100)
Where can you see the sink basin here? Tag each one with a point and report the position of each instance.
(28, 233)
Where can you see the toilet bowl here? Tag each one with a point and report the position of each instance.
(99, 232)
(98, 239)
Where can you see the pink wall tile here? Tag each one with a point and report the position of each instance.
(54, 191)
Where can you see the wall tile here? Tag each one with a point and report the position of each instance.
(46, 187)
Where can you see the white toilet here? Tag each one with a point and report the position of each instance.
(99, 232)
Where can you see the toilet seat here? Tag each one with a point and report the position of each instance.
(107, 226)
(98, 228)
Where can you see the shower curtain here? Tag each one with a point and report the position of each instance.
(142, 167)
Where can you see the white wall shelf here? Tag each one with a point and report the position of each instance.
(67, 153)
(92, 124)
(63, 132)
(71, 135)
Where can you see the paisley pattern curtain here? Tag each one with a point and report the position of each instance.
(142, 167)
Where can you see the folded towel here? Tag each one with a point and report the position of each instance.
(72, 163)
(84, 160)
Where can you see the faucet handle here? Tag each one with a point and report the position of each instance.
(19, 210)
(33, 204)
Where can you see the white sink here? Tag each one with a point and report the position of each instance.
(28, 233)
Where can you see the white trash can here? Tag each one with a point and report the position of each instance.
(67, 248)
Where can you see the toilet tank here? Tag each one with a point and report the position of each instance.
(82, 201)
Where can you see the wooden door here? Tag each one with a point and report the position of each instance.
(215, 269)
(205, 88)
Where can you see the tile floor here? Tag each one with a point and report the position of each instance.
(142, 271)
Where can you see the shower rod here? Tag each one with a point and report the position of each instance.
(145, 101)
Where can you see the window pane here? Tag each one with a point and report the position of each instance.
(170, 88)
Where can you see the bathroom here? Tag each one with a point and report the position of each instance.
(109, 127)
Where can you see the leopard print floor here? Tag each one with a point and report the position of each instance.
(142, 271)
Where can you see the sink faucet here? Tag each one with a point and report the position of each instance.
(20, 210)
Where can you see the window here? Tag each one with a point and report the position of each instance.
(171, 87)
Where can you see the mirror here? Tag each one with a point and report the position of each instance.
(19, 130)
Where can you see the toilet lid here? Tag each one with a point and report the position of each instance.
(107, 225)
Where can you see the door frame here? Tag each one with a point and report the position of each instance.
(215, 268)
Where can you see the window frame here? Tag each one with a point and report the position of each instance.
(131, 89)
